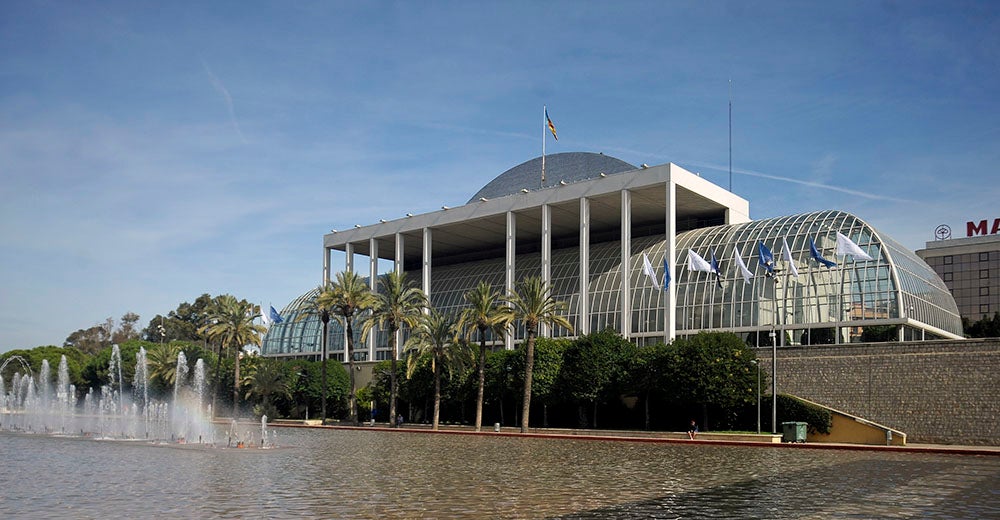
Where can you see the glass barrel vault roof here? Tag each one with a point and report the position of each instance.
(895, 288)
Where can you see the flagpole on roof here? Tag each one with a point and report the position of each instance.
(545, 118)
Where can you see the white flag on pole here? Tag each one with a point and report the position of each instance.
(697, 263)
(263, 317)
(786, 253)
(747, 275)
(647, 268)
(847, 247)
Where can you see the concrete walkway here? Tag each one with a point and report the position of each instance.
(705, 438)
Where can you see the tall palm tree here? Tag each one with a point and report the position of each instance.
(397, 303)
(232, 325)
(349, 296)
(532, 303)
(321, 306)
(485, 313)
(436, 337)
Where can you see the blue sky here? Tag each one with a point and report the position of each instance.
(152, 152)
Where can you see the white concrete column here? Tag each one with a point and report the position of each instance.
(626, 261)
(349, 257)
(543, 329)
(373, 285)
(583, 321)
(426, 272)
(670, 254)
(326, 266)
(398, 267)
(511, 253)
(400, 242)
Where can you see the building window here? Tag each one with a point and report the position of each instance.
(984, 291)
(984, 274)
(984, 257)
(984, 308)
(947, 277)
(948, 260)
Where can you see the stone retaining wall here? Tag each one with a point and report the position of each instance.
(935, 392)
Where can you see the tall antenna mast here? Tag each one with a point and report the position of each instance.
(730, 135)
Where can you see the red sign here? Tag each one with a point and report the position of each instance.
(979, 228)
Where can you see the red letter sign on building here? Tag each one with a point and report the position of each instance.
(979, 228)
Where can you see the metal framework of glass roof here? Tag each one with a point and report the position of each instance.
(819, 305)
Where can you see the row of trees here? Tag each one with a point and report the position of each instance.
(442, 340)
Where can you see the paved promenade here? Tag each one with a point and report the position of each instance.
(705, 438)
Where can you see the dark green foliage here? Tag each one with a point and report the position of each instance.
(986, 327)
(306, 388)
(713, 368)
(182, 323)
(880, 333)
(95, 372)
(596, 369)
(76, 360)
(791, 409)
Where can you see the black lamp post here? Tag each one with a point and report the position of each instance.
(774, 382)
(757, 366)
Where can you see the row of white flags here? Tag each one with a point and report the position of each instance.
(845, 247)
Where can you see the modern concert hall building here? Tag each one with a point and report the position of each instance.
(593, 214)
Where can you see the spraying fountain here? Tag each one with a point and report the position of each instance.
(117, 411)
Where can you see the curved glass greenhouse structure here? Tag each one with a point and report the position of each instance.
(894, 296)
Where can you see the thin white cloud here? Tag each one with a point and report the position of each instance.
(225, 95)
(802, 182)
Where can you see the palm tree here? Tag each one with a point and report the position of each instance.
(436, 337)
(348, 296)
(233, 326)
(532, 303)
(162, 364)
(321, 306)
(484, 313)
(267, 380)
(398, 303)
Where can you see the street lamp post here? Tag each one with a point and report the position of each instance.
(756, 365)
(774, 382)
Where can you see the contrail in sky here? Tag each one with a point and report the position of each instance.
(750, 173)
(229, 99)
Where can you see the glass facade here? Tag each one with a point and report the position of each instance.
(820, 305)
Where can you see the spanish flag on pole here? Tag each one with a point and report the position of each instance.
(552, 127)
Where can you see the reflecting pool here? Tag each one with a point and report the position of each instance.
(387, 474)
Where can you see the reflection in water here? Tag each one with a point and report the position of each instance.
(382, 474)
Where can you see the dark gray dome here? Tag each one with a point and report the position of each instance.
(569, 167)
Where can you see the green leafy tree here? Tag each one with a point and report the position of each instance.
(185, 323)
(348, 297)
(95, 372)
(504, 370)
(397, 303)
(650, 376)
(435, 338)
(714, 369)
(76, 361)
(232, 325)
(595, 368)
(532, 304)
(986, 327)
(485, 314)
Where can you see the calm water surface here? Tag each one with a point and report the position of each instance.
(382, 474)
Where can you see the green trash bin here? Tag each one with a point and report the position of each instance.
(793, 431)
